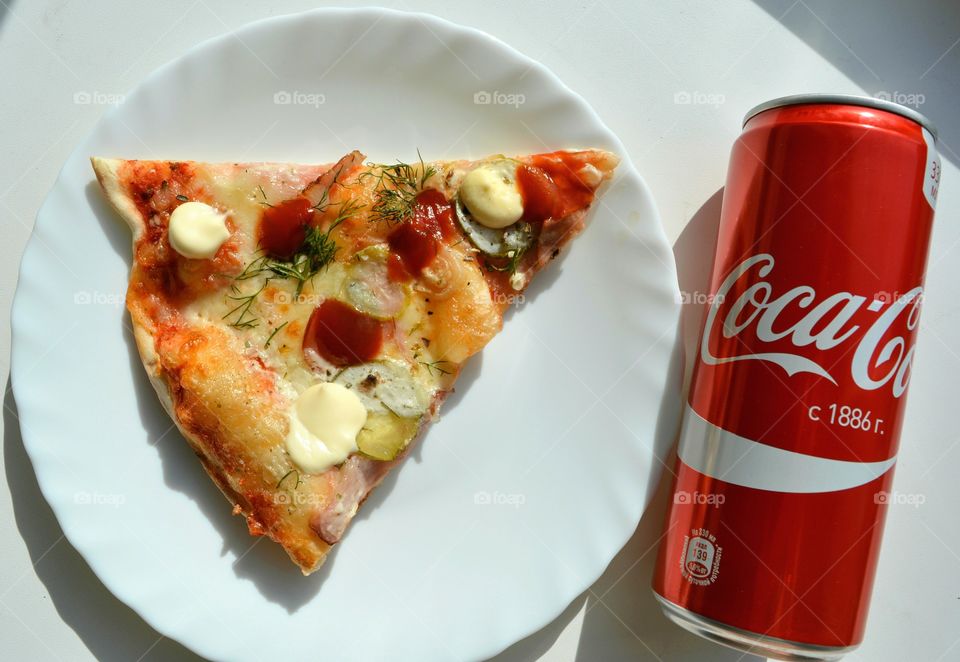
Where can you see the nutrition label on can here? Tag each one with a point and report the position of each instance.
(700, 562)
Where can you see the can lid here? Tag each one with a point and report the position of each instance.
(848, 99)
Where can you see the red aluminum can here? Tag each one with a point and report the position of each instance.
(790, 436)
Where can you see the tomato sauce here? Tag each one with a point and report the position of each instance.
(153, 187)
(540, 194)
(396, 270)
(283, 227)
(417, 241)
(158, 188)
(551, 188)
(343, 335)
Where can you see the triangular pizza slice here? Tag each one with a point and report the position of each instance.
(302, 324)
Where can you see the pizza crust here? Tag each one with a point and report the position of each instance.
(107, 175)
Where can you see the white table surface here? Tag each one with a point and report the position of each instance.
(635, 62)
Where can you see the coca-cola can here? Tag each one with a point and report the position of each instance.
(791, 430)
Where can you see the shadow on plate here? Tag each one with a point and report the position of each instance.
(4, 10)
(108, 628)
(693, 252)
(622, 620)
(622, 617)
(265, 565)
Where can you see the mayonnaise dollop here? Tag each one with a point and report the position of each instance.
(490, 193)
(197, 230)
(324, 423)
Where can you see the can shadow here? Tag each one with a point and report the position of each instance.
(694, 251)
(621, 620)
(622, 617)
(539, 643)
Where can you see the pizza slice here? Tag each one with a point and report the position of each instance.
(302, 324)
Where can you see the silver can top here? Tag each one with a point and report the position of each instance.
(848, 99)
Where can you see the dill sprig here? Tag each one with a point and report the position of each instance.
(510, 264)
(294, 473)
(263, 195)
(315, 253)
(324, 202)
(245, 319)
(435, 365)
(266, 345)
(396, 188)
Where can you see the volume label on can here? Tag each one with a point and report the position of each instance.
(700, 563)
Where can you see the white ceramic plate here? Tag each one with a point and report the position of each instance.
(517, 499)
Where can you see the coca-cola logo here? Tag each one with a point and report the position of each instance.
(816, 324)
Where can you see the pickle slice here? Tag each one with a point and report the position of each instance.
(496, 243)
(386, 435)
(369, 288)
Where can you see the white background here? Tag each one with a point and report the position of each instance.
(635, 62)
